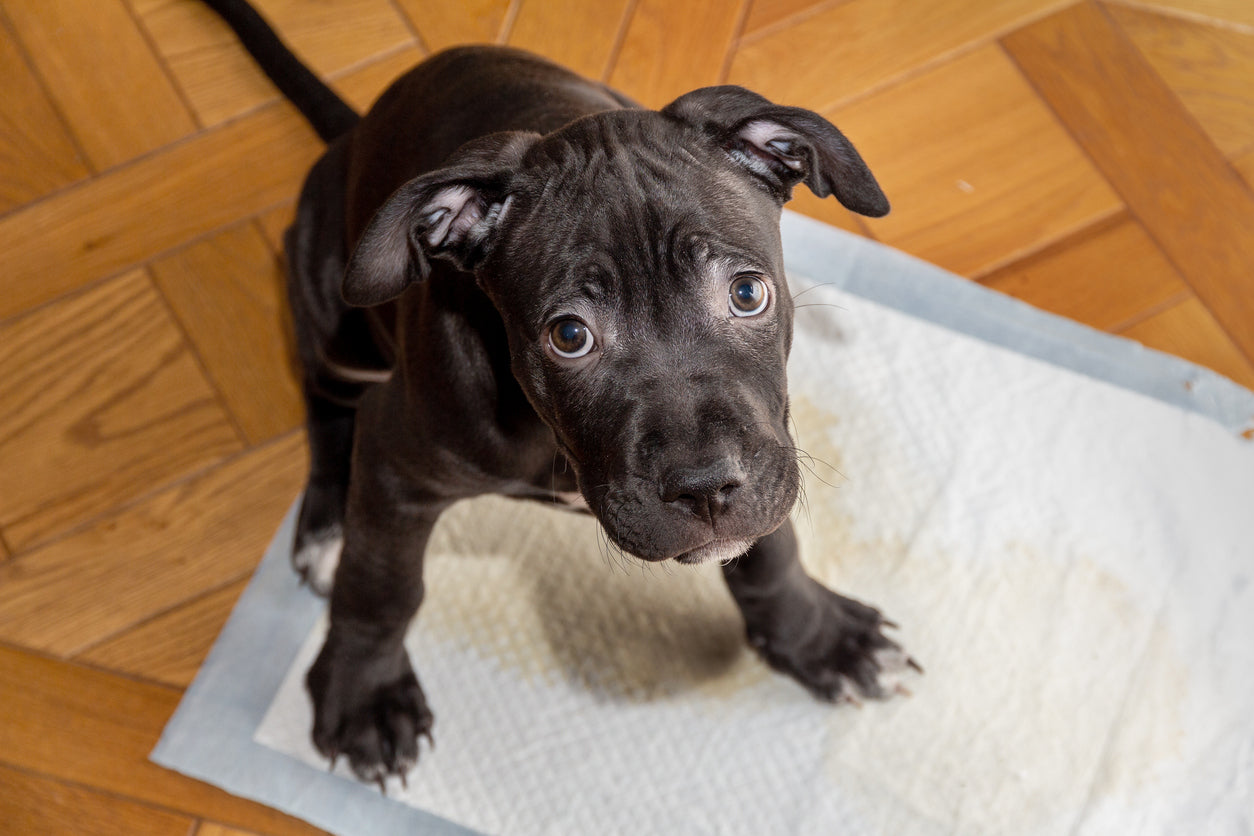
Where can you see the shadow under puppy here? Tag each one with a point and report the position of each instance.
(508, 279)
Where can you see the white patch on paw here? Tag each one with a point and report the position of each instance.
(317, 559)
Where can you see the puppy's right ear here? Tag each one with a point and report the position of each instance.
(450, 213)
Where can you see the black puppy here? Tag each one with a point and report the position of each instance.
(508, 279)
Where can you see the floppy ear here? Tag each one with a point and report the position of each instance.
(782, 146)
(450, 213)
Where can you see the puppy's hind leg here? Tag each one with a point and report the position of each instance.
(320, 527)
(325, 329)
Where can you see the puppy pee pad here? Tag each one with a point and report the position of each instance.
(1061, 523)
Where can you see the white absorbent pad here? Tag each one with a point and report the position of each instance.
(1061, 523)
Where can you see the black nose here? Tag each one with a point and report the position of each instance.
(706, 491)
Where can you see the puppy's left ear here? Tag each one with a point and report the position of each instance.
(782, 146)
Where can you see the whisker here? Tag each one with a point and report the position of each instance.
(813, 287)
(803, 501)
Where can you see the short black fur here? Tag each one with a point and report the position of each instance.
(487, 197)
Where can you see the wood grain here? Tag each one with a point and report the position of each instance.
(96, 729)
(852, 48)
(1130, 124)
(1107, 279)
(767, 13)
(273, 224)
(103, 76)
(141, 210)
(948, 147)
(32, 804)
(1189, 330)
(364, 84)
(170, 647)
(828, 210)
(151, 557)
(1244, 164)
(37, 154)
(441, 25)
(229, 295)
(671, 48)
(212, 829)
(104, 402)
(575, 34)
(1227, 13)
(221, 81)
(1210, 69)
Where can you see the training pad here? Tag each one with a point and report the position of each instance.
(1060, 521)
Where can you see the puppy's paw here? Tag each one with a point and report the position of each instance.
(376, 725)
(838, 651)
(381, 737)
(316, 557)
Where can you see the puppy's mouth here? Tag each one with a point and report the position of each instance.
(719, 550)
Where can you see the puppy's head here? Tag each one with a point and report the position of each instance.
(634, 257)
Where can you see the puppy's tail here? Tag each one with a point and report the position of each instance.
(329, 115)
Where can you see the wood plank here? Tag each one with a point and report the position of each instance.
(671, 48)
(200, 535)
(1106, 279)
(138, 211)
(441, 25)
(1237, 13)
(221, 81)
(828, 210)
(996, 177)
(274, 223)
(1210, 69)
(1131, 126)
(36, 805)
(170, 647)
(37, 154)
(228, 293)
(574, 33)
(1244, 164)
(118, 101)
(767, 13)
(104, 401)
(96, 729)
(1189, 330)
(850, 49)
(212, 829)
(364, 84)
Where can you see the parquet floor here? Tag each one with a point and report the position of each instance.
(1095, 159)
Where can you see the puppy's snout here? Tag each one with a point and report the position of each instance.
(706, 491)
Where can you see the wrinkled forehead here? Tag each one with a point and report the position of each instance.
(635, 194)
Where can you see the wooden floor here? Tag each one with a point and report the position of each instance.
(1095, 159)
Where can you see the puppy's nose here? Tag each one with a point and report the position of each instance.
(706, 491)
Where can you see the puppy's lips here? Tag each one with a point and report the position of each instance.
(718, 550)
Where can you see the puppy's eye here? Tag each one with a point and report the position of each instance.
(570, 338)
(748, 295)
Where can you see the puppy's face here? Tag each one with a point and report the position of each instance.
(641, 283)
(634, 257)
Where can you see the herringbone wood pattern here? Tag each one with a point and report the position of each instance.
(1093, 158)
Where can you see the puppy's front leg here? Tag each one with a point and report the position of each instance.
(368, 704)
(831, 644)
